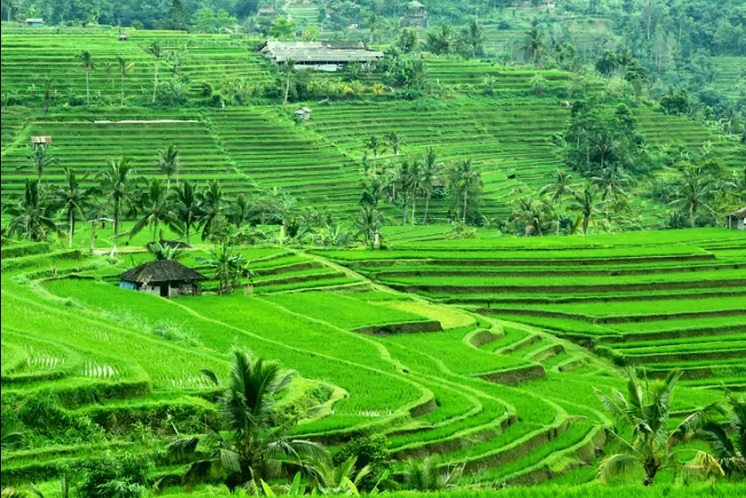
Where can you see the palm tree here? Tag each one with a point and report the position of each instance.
(187, 207)
(430, 173)
(533, 45)
(124, 69)
(229, 266)
(473, 36)
(240, 211)
(374, 145)
(428, 475)
(47, 91)
(40, 158)
(369, 222)
(74, 200)
(86, 62)
(156, 207)
(559, 189)
(465, 178)
(210, 205)
(645, 410)
(168, 163)
(533, 214)
(727, 440)
(395, 142)
(288, 69)
(163, 252)
(118, 179)
(31, 217)
(156, 50)
(694, 191)
(373, 22)
(254, 441)
(585, 205)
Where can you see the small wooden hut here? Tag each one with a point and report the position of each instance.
(165, 278)
(44, 141)
(737, 219)
(35, 22)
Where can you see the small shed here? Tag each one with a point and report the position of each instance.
(737, 219)
(353, 25)
(124, 37)
(35, 22)
(303, 113)
(44, 141)
(266, 11)
(165, 278)
(415, 15)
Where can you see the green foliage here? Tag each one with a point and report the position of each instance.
(371, 452)
(115, 475)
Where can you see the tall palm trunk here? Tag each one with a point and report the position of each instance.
(414, 205)
(121, 103)
(155, 80)
(70, 227)
(427, 207)
(466, 200)
(117, 209)
(87, 87)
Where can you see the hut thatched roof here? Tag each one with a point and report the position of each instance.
(739, 213)
(166, 270)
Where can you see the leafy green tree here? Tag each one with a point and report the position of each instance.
(558, 190)
(204, 20)
(283, 28)
(155, 207)
(407, 40)
(118, 181)
(727, 440)
(169, 164)
(31, 217)
(124, 69)
(86, 62)
(187, 207)
(373, 22)
(645, 410)
(465, 182)
(74, 200)
(115, 475)
(156, 50)
(253, 441)
(342, 479)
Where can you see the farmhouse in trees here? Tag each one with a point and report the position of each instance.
(320, 56)
(165, 278)
(737, 219)
(415, 15)
(35, 22)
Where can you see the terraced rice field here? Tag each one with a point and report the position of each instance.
(730, 78)
(674, 302)
(504, 393)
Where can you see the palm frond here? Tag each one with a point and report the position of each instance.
(183, 446)
(615, 466)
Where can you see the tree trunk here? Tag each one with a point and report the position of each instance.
(404, 210)
(466, 200)
(87, 87)
(70, 228)
(427, 206)
(188, 226)
(117, 208)
(155, 80)
(376, 240)
(287, 88)
(121, 104)
(414, 205)
(94, 227)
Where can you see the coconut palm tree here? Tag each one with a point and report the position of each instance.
(585, 205)
(374, 145)
(229, 266)
(118, 181)
(32, 218)
(211, 204)
(253, 442)
(533, 45)
(187, 207)
(74, 200)
(369, 222)
(156, 207)
(473, 36)
(694, 191)
(533, 214)
(41, 158)
(465, 179)
(163, 252)
(124, 69)
(86, 62)
(727, 440)
(336, 480)
(373, 22)
(395, 141)
(156, 50)
(645, 410)
(430, 173)
(558, 189)
(169, 164)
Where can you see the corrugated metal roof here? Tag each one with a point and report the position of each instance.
(320, 52)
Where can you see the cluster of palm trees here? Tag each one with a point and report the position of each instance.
(404, 181)
(647, 439)
(88, 65)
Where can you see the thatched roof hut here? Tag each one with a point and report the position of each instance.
(320, 55)
(166, 278)
(737, 219)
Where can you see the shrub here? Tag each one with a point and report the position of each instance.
(369, 450)
(115, 475)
